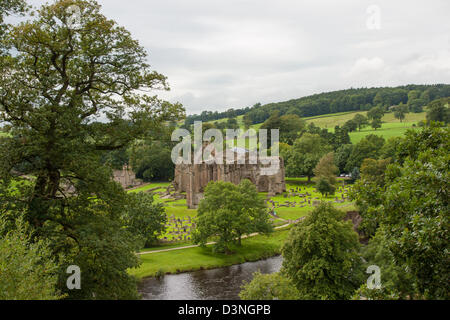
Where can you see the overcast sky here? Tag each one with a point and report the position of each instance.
(221, 54)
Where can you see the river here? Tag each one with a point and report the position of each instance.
(215, 284)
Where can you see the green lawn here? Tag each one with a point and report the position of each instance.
(387, 130)
(329, 121)
(252, 249)
(292, 213)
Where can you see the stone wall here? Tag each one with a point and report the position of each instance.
(126, 177)
(193, 178)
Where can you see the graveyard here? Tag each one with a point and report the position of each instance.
(299, 199)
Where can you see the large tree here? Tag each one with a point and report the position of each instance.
(439, 110)
(7, 8)
(229, 212)
(71, 93)
(368, 147)
(400, 111)
(360, 120)
(274, 286)
(290, 126)
(305, 154)
(321, 255)
(412, 207)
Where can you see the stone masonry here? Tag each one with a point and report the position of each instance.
(193, 178)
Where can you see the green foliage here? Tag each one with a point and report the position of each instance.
(27, 268)
(390, 148)
(360, 120)
(355, 174)
(228, 212)
(290, 126)
(342, 155)
(351, 125)
(325, 187)
(272, 286)
(400, 111)
(376, 123)
(417, 105)
(439, 110)
(54, 89)
(368, 147)
(144, 218)
(396, 281)
(375, 113)
(10, 7)
(373, 170)
(326, 171)
(321, 255)
(306, 153)
(415, 213)
(152, 161)
(412, 207)
(326, 168)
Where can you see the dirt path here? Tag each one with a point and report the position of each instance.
(209, 243)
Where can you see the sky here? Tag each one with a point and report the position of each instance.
(221, 54)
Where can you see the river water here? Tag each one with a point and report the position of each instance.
(215, 284)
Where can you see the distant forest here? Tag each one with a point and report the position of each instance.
(332, 102)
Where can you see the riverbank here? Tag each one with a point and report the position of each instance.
(192, 259)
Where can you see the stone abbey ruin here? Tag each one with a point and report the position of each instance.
(193, 178)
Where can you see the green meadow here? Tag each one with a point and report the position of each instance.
(191, 259)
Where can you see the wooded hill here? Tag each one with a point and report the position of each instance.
(352, 99)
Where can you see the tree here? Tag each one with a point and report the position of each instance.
(368, 147)
(438, 110)
(396, 280)
(354, 175)
(350, 125)
(373, 170)
(7, 8)
(342, 155)
(326, 168)
(228, 212)
(375, 113)
(376, 123)
(412, 208)
(326, 171)
(306, 153)
(400, 111)
(389, 149)
(325, 187)
(144, 218)
(360, 121)
(151, 161)
(415, 213)
(247, 122)
(289, 125)
(27, 269)
(321, 255)
(54, 88)
(232, 124)
(269, 287)
(416, 105)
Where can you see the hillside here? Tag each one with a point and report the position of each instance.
(335, 102)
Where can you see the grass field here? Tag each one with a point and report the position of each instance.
(391, 127)
(252, 249)
(178, 208)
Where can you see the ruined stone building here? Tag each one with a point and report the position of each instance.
(193, 178)
(126, 177)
